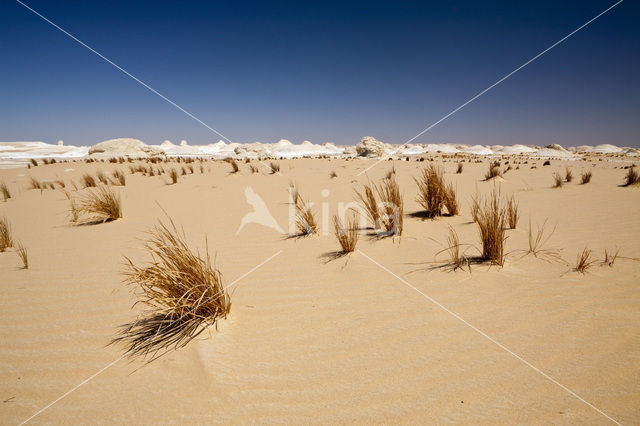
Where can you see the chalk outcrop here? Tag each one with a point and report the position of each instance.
(123, 147)
(370, 147)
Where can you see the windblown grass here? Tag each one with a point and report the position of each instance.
(254, 169)
(305, 220)
(457, 259)
(6, 239)
(632, 177)
(119, 177)
(585, 177)
(491, 223)
(432, 190)
(173, 175)
(610, 258)
(557, 179)
(538, 244)
(35, 183)
(88, 181)
(102, 178)
(494, 171)
(459, 169)
(584, 261)
(347, 235)
(183, 291)
(392, 207)
(370, 204)
(6, 194)
(21, 251)
(568, 175)
(512, 212)
(275, 168)
(475, 208)
(100, 205)
(234, 165)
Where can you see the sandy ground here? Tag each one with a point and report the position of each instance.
(338, 342)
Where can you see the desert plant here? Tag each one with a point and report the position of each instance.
(254, 169)
(332, 175)
(391, 173)
(34, 162)
(305, 220)
(275, 168)
(558, 182)
(184, 171)
(585, 177)
(392, 207)
(632, 177)
(35, 183)
(584, 261)
(512, 212)
(88, 181)
(102, 178)
(370, 204)
(538, 242)
(610, 258)
(234, 165)
(173, 175)
(457, 260)
(475, 207)
(23, 255)
(546, 163)
(119, 177)
(494, 171)
(432, 191)
(73, 211)
(6, 194)
(293, 194)
(6, 240)
(568, 175)
(101, 204)
(347, 236)
(459, 169)
(183, 291)
(450, 200)
(60, 183)
(491, 223)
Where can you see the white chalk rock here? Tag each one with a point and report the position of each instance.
(123, 147)
(370, 147)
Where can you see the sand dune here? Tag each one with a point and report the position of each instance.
(344, 341)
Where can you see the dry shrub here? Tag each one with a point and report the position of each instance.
(568, 175)
(6, 194)
(173, 175)
(584, 261)
(6, 240)
(610, 258)
(494, 171)
(558, 182)
(512, 212)
(183, 291)
(546, 163)
(120, 178)
(391, 173)
(184, 171)
(23, 255)
(347, 236)
(88, 181)
(632, 177)
(459, 169)
(101, 205)
(368, 200)
(392, 207)
(585, 177)
(305, 219)
(491, 223)
(275, 168)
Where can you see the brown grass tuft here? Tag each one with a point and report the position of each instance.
(21, 251)
(585, 177)
(6, 194)
(558, 182)
(254, 169)
(370, 204)
(632, 177)
(102, 178)
(459, 169)
(6, 240)
(432, 191)
(234, 165)
(173, 175)
(88, 181)
(610, 258)
(101, 204)
(333, 175)
(119, 177)
(183, 291)
(347, 236)
(275, 168)
(568, 175)
(584, 261)
(494, 171)
(305, 219)
(457, 260)
(491, 223)
(392, 207)
(35, 183)
(512, 212)
(538, 242)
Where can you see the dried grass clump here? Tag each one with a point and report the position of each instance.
(392, 207)
(173, 175)
(632, 177)
(457, 259)
(494, 171)
(451, 200)
(102, 178)
(568, 175)
(34, 162)
(558, 182)
(183, 291)
(432, 190)
(6, 240)
(35, 183)
(475, 208)
(610, 258)
(512, 212)
(333, 175)
(491, 223)
(584, 261)
(538, 242)
(347, 236)
(459, 169)
(101, 205)
(306, 223)
(23, 255)
(6, 194)
(370, 204)
(585, 177)
(119, 177)
(254, 169)
(234, 165)
(88, 181)
(275, 168)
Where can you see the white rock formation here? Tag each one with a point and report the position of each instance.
(370, 147)
(123, 147)
(251, 150)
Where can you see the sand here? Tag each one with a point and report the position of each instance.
(346, 341)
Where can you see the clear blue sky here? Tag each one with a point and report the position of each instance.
(322, 71)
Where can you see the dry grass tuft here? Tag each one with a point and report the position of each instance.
(584, 261)
(512, 212)
(234, 165)
(392, 211)
(475, 208)
(254, 169)
(23, 255)
(35, 183)
(538, 242)
(610, 258)
(558, 182)
(370, 204)
(306, 223)
(332, 175)
(6, 240)
(183, 291)
(101, 204)
(432, 190)
(120, 178)
(102, 178)
(491, 223)
(173, 175)
(457, 260)
(347, 237)
(568, 175)
(585, 177)
(632, 177)
(6, 194)
(494, 171)
(88, 181)
(275, 168)
(459, 169)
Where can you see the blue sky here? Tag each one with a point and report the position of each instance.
(321, 71)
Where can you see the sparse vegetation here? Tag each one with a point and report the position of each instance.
(459, 169)
(184, 292)
(254, 169)
(88, 181)
(568, 175)
(332, 175)
(275, 168)
(234, 165)
(23, 255)
(538, 242)
(35, 183)
(610, 258)
(6, 239)
(494, 171)
(584, 261)
(491, 223)
(558, 182)
(347, 236)
(102, 178)
(457, 260)
(512, 212)
(632, 177)
(434, 194)
(392, 207)
(101, 205)
(6, 194)
(119, 177)
(585, 177)
(546, 163)
(368, 200)
(173, 175)
(306, 223)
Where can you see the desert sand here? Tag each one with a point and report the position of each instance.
(345, 341)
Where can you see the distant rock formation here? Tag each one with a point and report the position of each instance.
(370, 147)
(60, 142)
(123, 147)
(251, 150)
